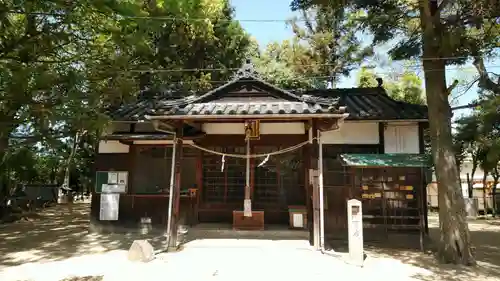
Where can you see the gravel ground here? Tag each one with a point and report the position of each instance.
(56, 246)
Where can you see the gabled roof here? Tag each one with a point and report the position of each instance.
(372, 104)
(360, 103)
(248, 95)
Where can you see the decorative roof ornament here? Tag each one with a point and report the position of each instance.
(246, 71)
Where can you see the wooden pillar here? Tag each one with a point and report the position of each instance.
(381, 137)
(313, 182)
(174, 226)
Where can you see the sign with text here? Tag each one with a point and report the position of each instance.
(355, 231)
(109, 207)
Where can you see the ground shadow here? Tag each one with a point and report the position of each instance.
(406, 249)
(55, 234)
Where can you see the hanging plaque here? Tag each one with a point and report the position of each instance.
(252, 129)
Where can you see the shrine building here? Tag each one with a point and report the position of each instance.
(251, 156)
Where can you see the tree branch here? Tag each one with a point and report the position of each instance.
(470, 105)
(452, 87)
(440, 8)
(485, 82)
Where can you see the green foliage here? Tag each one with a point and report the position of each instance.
(478, 136)
(325, 47)
(62, 64)
(407, 87)
(282, 64)
(331, 34)
(467, 28)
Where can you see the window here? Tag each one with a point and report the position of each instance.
(334, 173)
(152, 170)
(266, 181)
(153, 166)
(224, 185)
(279, 181)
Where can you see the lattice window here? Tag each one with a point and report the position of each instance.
(153, 165)
(235, 175)
(214, 181)
(335, 175)
(266, 182)
(224, 186)
(279, 181)
(292, 181)
(152, 169)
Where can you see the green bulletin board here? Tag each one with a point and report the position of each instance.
(103, 178)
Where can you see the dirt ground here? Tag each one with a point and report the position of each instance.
(56, 246)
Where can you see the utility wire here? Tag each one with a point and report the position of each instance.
(368, 60)
(300, 76)
(166, 18)
(170, 18)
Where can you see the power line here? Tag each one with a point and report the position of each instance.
(236, 68)
(169, 18)
(301, 76)
(305, 65)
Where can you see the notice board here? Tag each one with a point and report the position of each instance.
(111, 182)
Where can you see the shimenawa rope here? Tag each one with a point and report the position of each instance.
(244, 156)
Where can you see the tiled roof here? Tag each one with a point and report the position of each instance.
(360, 103)
(373, 104)
(252, 108)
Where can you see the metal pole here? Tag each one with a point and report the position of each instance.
(321, 195)
(171, 191)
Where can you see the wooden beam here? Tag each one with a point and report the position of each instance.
(381, 137)
(193, 124)
(327, 124)
(167, 125)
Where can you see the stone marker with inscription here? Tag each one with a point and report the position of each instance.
(355, 230)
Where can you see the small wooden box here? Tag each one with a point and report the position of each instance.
(295, 211)
(255, 222)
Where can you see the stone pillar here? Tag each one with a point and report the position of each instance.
(355, 231)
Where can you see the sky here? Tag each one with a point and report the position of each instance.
(279, 10)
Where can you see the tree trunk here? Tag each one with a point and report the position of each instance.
(485, 205)
(455, 244)
(469, 186)
(472, 174)
(67, 167)
(455, 237)
(493, 197)
(4, 145)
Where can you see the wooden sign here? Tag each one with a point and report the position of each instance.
(252, 129)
